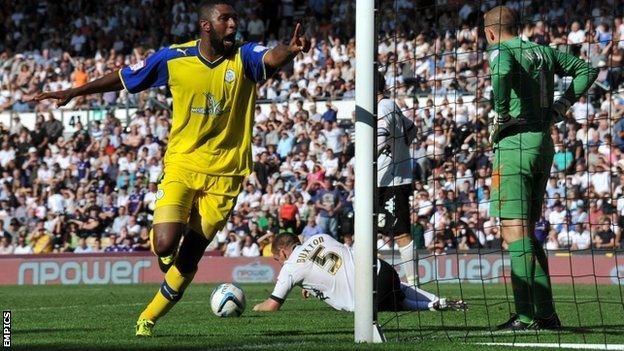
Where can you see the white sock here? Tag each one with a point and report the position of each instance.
(409, 265)
(417, 299)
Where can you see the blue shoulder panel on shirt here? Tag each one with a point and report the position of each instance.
(150, 72)
(252, 55)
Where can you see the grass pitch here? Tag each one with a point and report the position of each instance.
(103, 317)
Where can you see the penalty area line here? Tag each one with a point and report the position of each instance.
(557, 345)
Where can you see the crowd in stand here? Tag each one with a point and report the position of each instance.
(94, 189)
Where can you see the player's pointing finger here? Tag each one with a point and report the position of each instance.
(297, 31)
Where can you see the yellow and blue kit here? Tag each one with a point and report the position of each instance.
(209, 149)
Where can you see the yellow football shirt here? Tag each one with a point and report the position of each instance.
(213, 104)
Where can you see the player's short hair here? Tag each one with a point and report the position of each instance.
(205, 7)
(283, 241)
(501, 19)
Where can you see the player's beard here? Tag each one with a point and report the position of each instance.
(223, 45)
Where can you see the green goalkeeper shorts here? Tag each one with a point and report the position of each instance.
(520, 171)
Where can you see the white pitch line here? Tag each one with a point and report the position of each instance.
(617, 347)
(497, 333)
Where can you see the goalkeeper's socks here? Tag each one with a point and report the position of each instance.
(542, 290)
(408, 263)
(522, 267)
(170, 292)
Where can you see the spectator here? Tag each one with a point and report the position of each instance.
(328, 204)
(542, 227)
(289, 214)
(552, 243)
(582, 238)
(97, 245)
(6, 248)
(233, 247)
(566, 236)
(40, 239)
(120, 221)
(310, 229)
(330, 115)
(83, 247)
(255, 28)
(605, 237)
(563, 158)
(53, 128)
(4, 233)
(113, 244)
(250, 248)
(133, 227)
(22, 248)
(143, 242)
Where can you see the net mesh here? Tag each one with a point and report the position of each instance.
(434, 60)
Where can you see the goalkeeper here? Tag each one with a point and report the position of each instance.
(522, 88)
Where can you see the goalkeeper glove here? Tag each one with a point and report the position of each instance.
(560, 108)
(496, 122)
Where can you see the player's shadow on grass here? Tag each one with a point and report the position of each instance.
(81, 347)
(52, 330)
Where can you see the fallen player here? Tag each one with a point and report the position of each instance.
(324, 268)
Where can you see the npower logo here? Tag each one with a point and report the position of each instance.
(74, 272)
(253, 273)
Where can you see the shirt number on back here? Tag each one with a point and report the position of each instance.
(321, 258)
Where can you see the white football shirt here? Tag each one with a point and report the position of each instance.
(395, 133)
(322, 266)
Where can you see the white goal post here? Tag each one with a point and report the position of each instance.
(365, 122)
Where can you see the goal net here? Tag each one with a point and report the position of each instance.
(436, 65)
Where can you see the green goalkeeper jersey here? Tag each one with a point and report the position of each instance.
(522, 76)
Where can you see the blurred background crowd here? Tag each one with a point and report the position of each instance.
(94, 189)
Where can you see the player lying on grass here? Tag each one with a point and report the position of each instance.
(324, 268)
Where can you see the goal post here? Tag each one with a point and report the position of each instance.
(365, 121)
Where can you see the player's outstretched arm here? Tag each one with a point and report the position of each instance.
(282, 54)
(269, 305)
(109, 82)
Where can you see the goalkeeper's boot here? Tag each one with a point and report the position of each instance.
(165, 262)
(551, 322)
(144, 327)
(513, 324)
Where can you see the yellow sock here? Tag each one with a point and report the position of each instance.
(170, 292)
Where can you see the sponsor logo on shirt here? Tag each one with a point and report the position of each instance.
(212, 108)
(137, 66)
